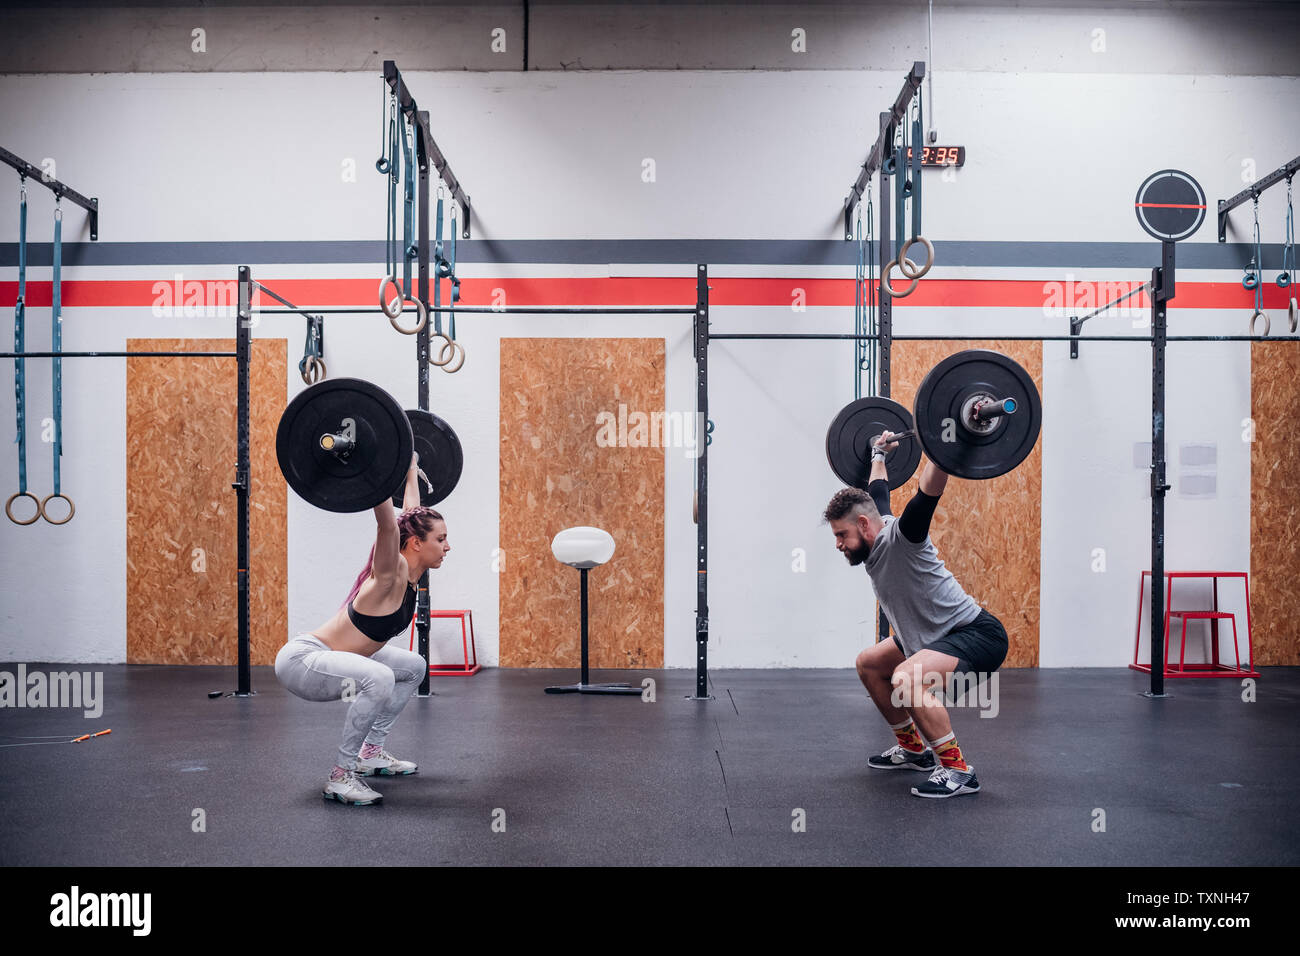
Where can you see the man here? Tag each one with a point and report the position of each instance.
(938, 628)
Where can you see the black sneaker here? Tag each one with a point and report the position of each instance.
(946, 782)
(897, 758)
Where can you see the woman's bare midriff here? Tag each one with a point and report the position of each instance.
(340, 634)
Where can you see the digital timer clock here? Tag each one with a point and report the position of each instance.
(941, 155)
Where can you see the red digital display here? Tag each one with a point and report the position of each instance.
(941, 155)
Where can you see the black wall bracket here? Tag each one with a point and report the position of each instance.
(1252, 192)
(60, 190)
(426, 147)
(884, 141)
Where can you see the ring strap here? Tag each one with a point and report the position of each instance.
(20, 364)
(437, 272)
(1288, 243)
(918, 149)
(312, 365)
(408, 217)
(56, 325)
(455, 282)
(900, 205)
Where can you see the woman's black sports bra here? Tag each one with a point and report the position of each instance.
(381, 627)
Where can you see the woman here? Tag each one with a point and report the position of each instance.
(348, 657)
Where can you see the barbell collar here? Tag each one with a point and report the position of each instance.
(986, 411)
(338, 443)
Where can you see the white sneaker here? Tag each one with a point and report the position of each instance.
(947, 782)
(348, 789)
(385, 764)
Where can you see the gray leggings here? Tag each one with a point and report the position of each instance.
(379, 685)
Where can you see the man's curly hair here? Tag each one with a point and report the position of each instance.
(848, 501)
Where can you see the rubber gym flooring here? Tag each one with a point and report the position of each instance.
(1201, 778)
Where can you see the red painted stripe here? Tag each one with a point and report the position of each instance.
(1168, 205)
(1055, 296)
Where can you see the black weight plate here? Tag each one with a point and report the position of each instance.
(848, 441)
(944, 391)
(367, 476)
(441, 458)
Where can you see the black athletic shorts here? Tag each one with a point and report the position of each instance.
(980, 647)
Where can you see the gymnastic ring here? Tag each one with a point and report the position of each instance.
(1293, 313)
(1259, 315)
(1250, 280)
(384, 301)
(884, 281)
(419, 308)
(313, 371)
(449, 369)
(903, 261)
(72, 509)
(446, 342)
(22, 494)
(1283, 280)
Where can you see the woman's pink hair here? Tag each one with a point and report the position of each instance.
(417, 522)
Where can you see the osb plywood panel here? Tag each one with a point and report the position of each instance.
(987, 532)
(1274, 515)
(556, 475)
(181, 601)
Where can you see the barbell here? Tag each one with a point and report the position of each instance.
(345, 445)
(977, 415)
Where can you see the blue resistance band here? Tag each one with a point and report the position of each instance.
(20, 365)
(56, 322)
(409, 249)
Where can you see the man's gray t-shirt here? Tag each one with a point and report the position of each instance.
(920, 596)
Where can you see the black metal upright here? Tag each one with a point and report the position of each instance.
(586, 677)
(243, 343)
(702, 483)
(885, 245)
(1162, 290)
(422, 599)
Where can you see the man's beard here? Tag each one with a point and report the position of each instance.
(856, 556)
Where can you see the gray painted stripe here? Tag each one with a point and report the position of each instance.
(782, 252)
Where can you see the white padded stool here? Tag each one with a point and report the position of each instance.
(585, 548)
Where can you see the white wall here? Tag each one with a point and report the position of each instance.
(1053, 158)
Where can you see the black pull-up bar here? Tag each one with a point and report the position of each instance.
(59, 189)
(426, 146)
(1252, 192)
(911, 84)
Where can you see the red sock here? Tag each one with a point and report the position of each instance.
(949, 753)
(370, 750)
(908, 737)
